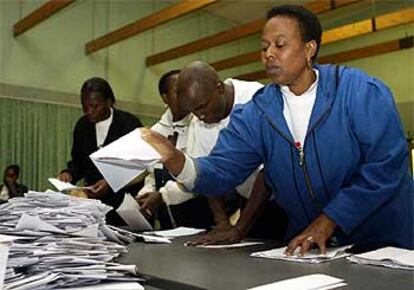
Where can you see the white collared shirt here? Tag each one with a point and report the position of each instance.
(206, 135)
(102, 129)
(297, 110)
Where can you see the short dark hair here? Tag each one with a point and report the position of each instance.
(163, 82)
(98, 85)
(309, 25)
(14, 167)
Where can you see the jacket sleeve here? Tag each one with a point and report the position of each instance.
(74, 166)
(130, 122)
(375, 123)
(235, 155)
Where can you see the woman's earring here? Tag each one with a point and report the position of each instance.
(309, 64)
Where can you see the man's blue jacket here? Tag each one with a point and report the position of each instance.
(354, 167)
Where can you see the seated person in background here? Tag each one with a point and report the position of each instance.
(329, 137)
(10, 187)
(218, 98)
(100, 125)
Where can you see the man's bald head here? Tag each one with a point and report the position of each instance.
(201, 92)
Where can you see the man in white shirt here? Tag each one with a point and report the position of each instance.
(201, 92)
(211, 100)
(161, 195)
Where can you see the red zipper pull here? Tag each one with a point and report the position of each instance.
(301, 153)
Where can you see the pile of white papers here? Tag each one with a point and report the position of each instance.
(312, 257)
(308, 282)
(61, 241)
(390, 257)
(125, 159)
(4, 253)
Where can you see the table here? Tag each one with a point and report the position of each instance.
(175, 266)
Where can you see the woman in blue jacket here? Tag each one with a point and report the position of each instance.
(330, 139)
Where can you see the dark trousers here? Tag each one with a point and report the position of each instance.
(271, 223)
(194, 213)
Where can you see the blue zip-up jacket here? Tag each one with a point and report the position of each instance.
(354, 167)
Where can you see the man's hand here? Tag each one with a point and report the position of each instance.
(149, 203)
(230, 236)
(318, 232)
(65, 176)
(171, 157)
(99, 189)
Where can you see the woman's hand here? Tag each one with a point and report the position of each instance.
(318, 232)
(219, 236)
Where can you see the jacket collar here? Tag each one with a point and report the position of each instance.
(270, 101)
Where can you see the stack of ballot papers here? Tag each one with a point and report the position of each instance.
(4, 253)
(125, 159)
(389, 257)
(308, 282)
(312, 256)
(61, 241)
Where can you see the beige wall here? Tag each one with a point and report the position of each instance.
(50, 57)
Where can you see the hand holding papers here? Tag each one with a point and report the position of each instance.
(129, 211)
(125, 159)
(311, 257)
(387, 257)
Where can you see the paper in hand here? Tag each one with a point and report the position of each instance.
(125, 159)
(129, 212)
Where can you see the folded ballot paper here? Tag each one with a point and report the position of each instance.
(308, 282)
(389, 257)
(129, 211)
(311, 257)
(125, 159)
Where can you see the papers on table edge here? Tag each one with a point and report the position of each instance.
(308, 282)
(230, 246)
(390, 257)
(129, 210)
(177, 232)
(311, 257)
(123, 160)
(64, 186)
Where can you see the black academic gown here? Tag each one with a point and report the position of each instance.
(84, 144)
